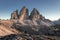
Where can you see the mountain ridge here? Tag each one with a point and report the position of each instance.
(34, 17)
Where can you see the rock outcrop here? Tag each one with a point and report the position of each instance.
(35, 17)
(34, 14)
(14, 15)
(23, 14)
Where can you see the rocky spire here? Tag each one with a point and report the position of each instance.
(14, 15)
(34, 14)
(23, 13)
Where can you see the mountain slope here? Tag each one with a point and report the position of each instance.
(57, 22)
(5, 28)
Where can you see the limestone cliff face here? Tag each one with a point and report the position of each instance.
(14, 15)
(35, 17)
(23, 14)
(34, 14)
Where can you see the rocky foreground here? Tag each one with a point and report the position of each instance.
(15, 31)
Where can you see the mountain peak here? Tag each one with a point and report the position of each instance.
(24, 7)
(14, 15)
(34, 14)
(23, 13)
(35, 17)
(35, 11)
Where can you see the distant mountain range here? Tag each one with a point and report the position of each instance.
(57, 22)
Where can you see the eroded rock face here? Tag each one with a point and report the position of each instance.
(23, 14)
(35, 17)
(14, 15)
(34, 14)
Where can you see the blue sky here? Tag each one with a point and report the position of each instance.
(50, 9)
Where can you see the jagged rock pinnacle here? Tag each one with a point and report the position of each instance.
(23, 13)
(34, 14)
(35, 17)
(14, 15)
